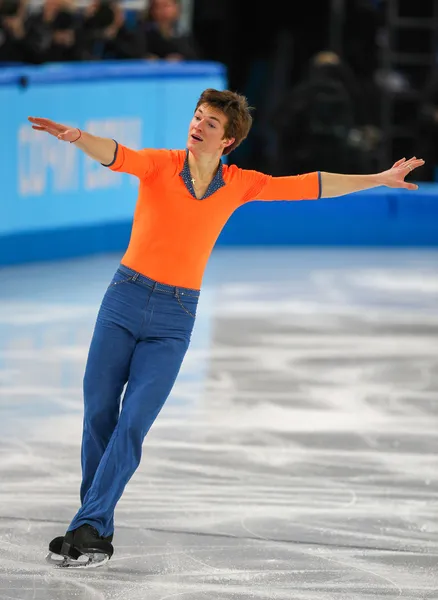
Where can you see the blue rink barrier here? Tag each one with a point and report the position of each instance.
(57, 203)
(377, 217)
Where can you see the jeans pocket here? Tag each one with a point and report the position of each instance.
(119, 278)
(188, 303)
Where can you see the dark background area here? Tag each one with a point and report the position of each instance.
(341, 85)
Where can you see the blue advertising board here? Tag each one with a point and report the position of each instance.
(56, 202)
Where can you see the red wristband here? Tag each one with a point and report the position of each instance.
(80, 134)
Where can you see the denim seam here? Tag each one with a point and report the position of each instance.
(182, 305)
(130, 278)
(93, 495)
(144, 317)
(137, 277)
(172, 292)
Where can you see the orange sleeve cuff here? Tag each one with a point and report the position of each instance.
(134, 162)
(117, 160)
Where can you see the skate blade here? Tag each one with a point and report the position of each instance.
(93, 560)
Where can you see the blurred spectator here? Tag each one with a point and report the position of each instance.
(39, 26)
(427, 129)
(106, 35)
(318, 122)
(159, 28)
(14, 44)
(65, 44)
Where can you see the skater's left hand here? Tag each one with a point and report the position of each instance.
(395, 176)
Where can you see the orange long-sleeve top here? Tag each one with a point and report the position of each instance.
(173, 232)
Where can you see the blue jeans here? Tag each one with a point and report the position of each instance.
(141, 336)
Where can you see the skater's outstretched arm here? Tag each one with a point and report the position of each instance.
(333, 185)
(98, 148)
(318, 184)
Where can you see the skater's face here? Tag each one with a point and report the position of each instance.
(207, 131)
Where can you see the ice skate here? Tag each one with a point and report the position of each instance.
(82, 548)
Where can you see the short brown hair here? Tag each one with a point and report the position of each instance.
(235, 108)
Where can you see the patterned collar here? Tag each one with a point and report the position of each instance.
(216, 183)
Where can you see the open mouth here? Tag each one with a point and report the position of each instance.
(196, 138)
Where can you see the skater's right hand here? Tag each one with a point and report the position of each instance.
(62, 132)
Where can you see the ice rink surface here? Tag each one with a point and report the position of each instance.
(296, 459)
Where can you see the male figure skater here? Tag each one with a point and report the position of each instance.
(146, 318)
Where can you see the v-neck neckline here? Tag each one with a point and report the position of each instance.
(215, 184)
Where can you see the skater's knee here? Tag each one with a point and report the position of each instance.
(99, 418)
(101, 396)
(108, 387)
